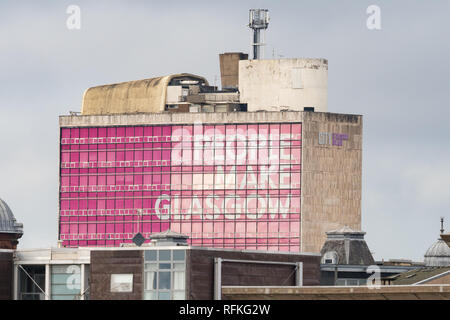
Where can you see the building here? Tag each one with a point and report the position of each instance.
(435, 270)
(421, 276)
(347, 261)
(251, 166)
(284, 84)
(407, 292)
(245, 180)
(438, 255)
(161, 270)
(10, 232)
(446, 238)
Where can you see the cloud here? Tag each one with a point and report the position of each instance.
(396, 77)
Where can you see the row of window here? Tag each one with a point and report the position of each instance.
(211, 162)
(198, 141)
(250, 237)
(185, 131)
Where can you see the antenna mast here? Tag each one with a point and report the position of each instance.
(258, 21)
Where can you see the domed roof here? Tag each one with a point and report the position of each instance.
(8, 223)
(438, 255)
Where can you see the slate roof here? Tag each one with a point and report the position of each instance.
(417, 275)
(350, 247)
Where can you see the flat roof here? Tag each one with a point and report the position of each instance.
(82, 254)
(420, 292)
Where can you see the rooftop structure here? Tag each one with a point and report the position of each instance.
(298, 84)
(347, 261)
(346, 246)
(258, 22)
(438, 255)
(140, 96)
(10, 229)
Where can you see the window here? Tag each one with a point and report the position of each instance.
(351, 282)
(66, 282)
(165, 275)
(122, 283)
(330, 257)
(212, 182)
(31, 282)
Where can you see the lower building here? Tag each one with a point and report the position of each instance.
(347, 261)
(158, 272)
(420, 276)
(10, 233)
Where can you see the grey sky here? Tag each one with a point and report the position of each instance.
(398, 78)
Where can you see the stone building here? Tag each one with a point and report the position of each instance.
(438, 255)
(10, 233)
(10, 230)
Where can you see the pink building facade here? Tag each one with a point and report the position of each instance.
(224, 185)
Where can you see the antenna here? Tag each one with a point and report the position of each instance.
(258, 20)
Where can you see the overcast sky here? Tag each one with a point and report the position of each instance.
(398, 78)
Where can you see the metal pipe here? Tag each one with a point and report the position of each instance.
(259, 261)
(217, 278)
(299, 274)
(256, 44)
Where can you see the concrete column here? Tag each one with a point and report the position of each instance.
(217, 278)
(47, 282)
(82, 280)
(16, 282)
(299, 274)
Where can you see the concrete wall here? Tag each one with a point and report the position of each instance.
(173, 94)
(284, 84)
(229, 68)
(180, 118)
(331, 177)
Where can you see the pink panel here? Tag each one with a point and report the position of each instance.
(128, 168)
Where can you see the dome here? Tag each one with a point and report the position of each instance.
(8, 223)
(438, 255)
